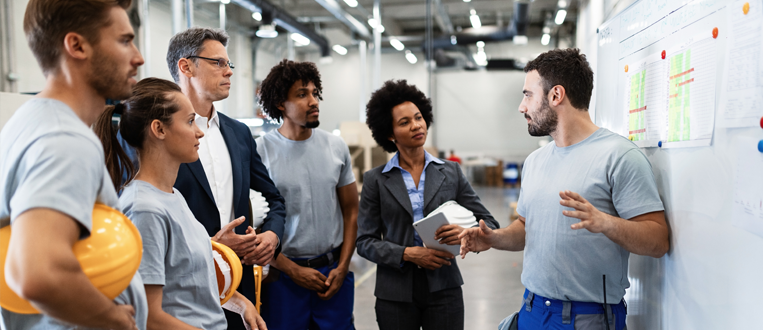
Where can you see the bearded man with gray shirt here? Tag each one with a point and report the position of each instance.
(52, 166)
(587, 201)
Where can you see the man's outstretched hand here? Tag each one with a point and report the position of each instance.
(476, 239)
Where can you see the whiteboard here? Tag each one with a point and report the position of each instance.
(712, 277)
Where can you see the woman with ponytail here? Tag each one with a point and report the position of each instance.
(177, 267)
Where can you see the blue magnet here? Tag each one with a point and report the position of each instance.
(760, 146)
(659, 144)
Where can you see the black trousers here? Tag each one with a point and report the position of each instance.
(429, 310)
(235, 322)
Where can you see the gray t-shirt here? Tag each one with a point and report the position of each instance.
(612, 174)
(177, 254)
(50, 159)
(307, 174)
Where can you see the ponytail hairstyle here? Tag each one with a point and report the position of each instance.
(152, 99)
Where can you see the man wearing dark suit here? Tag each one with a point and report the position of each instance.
(416, 286)
(217, 185)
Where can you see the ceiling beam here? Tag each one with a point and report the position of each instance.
(343, 16)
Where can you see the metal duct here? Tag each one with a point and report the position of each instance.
(335, 9)
(518, 26)
(271, 13)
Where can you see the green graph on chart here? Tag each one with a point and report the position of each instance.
(678, 95)
(637, 106)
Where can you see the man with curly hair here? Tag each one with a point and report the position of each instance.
(312, 169)
(588, 201)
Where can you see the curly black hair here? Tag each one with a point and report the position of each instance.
(275, 88)
(379, 109)
(568, 68)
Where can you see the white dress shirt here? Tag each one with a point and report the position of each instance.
(215, 159)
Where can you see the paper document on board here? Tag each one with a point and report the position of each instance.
(742, 100)
(448, 213)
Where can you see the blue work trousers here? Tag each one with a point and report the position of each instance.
(288, 306)
(541, 313)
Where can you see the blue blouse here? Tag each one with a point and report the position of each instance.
(416, 194)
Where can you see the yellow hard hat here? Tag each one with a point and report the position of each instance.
(109, 257)
(228, 270)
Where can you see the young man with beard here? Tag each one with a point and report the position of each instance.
(312, 170)
(587, 201)
(52, 168)
(217, 185)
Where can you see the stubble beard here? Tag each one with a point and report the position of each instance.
(544, 122)
(106, 79)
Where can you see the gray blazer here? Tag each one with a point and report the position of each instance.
(385, 225)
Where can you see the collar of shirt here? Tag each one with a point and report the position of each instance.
(205, 123)
(395, 161)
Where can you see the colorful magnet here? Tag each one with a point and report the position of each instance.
(761, 122)
(715, 33)
(630, 137)
(659, 144)
(746, 8)
(663, 54)
(626, 68)
(760, 145)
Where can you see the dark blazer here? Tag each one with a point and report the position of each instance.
(385, 225)
(248, 172)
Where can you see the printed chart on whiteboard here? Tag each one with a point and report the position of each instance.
(742, 104)
(691, 94)
(646, 101)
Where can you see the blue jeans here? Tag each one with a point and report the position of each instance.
(568, 315)
(288, 306)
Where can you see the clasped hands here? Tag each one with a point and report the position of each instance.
(251, 247)
(434, 259)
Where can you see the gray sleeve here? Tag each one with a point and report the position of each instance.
(345, 176)
(154, 231)
(371, 229)
(634, 190)
(62, 172)
(520, 201)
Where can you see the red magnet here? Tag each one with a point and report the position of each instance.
(715, 33)
(761, 122)
(663, 54)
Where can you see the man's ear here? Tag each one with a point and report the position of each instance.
(76, 46)
(157, 129)
(557, 95)
(186, 67)
(281, 107)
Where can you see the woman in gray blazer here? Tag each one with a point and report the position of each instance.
(415, 286)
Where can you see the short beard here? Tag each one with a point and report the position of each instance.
(545, 121)
(312, 124)
(106, 79)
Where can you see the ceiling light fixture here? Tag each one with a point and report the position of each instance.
(560, 16)
(351, 3)
(545, 39)
(475, 21)
(257, 16)
(397, 44)
(562, 4)
(520, 40)
(410, 57)
(339, 50)
(225, 1)
(267, 31)
(480, 44)
(299, 39)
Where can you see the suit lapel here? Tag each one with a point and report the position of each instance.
(198, 173)
(434, 180)
(396, 187)
(235, 157)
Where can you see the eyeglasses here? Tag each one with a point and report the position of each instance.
(220, 62)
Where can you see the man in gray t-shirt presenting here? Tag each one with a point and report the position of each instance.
(312, 170)
(587, 201)
(52, 169)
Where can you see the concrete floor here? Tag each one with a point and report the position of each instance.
(492, 288)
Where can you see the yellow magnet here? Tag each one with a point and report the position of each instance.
(626, 68)
(746, 8)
